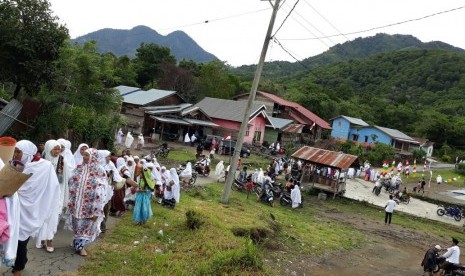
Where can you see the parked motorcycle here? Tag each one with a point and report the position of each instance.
(161, 151)
(285, 199)
(449, 211)
(244, 186)
(266, 196)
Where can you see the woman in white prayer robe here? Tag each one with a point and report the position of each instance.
(119, 136)
(36, 198)
(219, 171)
(129, 140)
(78, 153)
(47, 232)
(296, 196)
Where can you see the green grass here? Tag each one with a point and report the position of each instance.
(181, 155)
(377, 213)
(446, 174)
(214, 248)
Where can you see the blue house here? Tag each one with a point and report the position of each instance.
(354, 129)
(345, 127)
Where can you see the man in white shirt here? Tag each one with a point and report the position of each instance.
(389, 208)
(438, 181)
(453, 253)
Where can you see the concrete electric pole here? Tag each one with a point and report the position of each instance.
(253, 91)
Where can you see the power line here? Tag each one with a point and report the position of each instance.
(379, 27)
(327, 21)
(198, 23)
(275, 40)
(313, 26)
(287, 16)
(213, 20)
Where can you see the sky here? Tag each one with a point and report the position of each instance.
(236, 29)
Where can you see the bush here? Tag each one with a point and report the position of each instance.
(460, 169)
(446, 158)
(193, 220)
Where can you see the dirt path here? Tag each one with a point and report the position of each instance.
(390, 250)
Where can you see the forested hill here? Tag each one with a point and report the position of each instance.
(355, 49)
(125, 42)
(419, 91)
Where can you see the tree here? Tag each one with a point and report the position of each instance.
(148, 61)
(78, 97)
(215, 81)
(30, 40)
(125, 71)
(180, 80)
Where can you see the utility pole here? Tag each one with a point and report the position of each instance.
(248, 110)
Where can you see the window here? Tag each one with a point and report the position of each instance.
(247, 131)
(366, 138)
(257, 136)
(339, 123)
(355, 137)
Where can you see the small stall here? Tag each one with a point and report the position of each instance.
(324, 169)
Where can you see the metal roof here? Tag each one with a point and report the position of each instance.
(227, 109)
(124, 90)
(278, 123)
(325, 157)
(167, 108)
(200, 122)
(9, 114)
(171, 120)
(354, 121)
(396, 134)
(307, 113)
(141, 97)
(294, 128)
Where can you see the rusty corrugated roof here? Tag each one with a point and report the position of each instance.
(326, 157)
(294, 128)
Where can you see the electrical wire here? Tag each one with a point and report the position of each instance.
(379, 27)
(287, 16)
(327, 21)
(313, 26)
(213, 20)
(300, 62)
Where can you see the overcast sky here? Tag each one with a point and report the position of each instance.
(236, 28)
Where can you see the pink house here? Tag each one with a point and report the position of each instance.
(228, 114)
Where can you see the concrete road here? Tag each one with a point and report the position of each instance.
(63, 259)
(359, 189)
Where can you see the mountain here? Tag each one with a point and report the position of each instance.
(125, 42)
(418, 91)
(358, 48)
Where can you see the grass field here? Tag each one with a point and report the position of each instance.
(233, 239)
(447, 175)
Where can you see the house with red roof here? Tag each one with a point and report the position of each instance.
(302, 125)
(228, 115)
